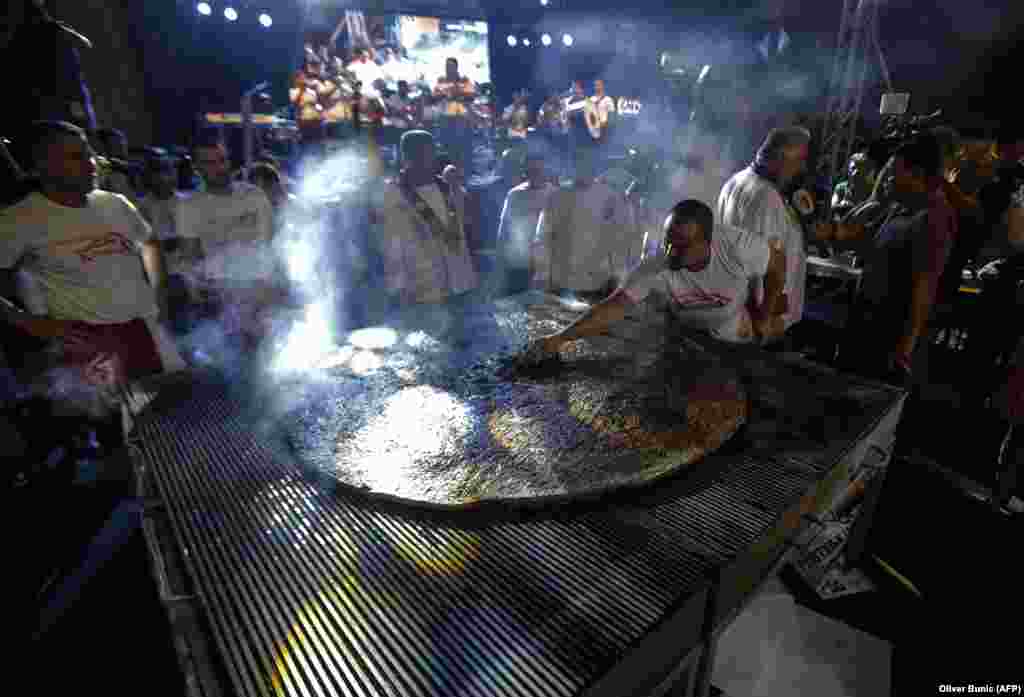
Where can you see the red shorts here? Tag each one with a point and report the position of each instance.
(1013, 396)
(131, 342)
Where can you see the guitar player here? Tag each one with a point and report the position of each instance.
(599, 118)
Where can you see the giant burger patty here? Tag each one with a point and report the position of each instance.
(435, 423)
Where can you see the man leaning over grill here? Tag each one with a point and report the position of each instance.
(707, 273)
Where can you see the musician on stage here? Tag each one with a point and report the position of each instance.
(516, 117)
(456, 92)
(600, 118)
(306, 95)
(402, 108)
(550, 115)
(339, 89)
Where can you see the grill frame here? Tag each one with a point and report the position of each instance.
(690, 551)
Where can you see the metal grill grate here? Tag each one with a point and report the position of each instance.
(310, 589)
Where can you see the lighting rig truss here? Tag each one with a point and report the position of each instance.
(858, 38)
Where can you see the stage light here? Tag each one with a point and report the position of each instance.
(265, 20)
(512, 40)
(546, 39)
(703, 74)
(204, 9)
(526, 42)
(567, 39)
(230, 14)
(544, 3)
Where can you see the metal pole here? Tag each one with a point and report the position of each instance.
(247, 141)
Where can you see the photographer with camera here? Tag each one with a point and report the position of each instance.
(888, 330)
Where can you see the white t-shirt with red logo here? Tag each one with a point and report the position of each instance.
(85, 263)
(713, 299)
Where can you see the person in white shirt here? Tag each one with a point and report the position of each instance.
(604, 106)
(390, 66)
(419, 230)
(705, 273)
(94, 260)
(585, 236)
(518, 225)
(230, 225)
(159, 207)
(159, 204)
(753, 200)
(367, 72)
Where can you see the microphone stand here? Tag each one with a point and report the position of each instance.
(247, 144)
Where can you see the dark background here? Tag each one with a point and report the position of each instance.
(157, 64)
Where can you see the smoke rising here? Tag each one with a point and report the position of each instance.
(319, 257)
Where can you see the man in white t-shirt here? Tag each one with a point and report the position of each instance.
(604, 105)
(233, 223)
(419, 230)
(518, 225)
(232, 220)
(93, 258)
(753, 200)
(159, 205)
(705, 273)
(586, 235)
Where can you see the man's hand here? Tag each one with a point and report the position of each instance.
(823, 230)
(105, 370)
(554, 343)
(768, 329)
(903, 356)
(843, 231)
(545, 347)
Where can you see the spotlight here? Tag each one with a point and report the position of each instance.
(567, 39)
(204, 9)
(544, 3)
(230, 14)
(545, 39)
(526, 42)
(265, 20)
(512, 40)
(703, 74)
